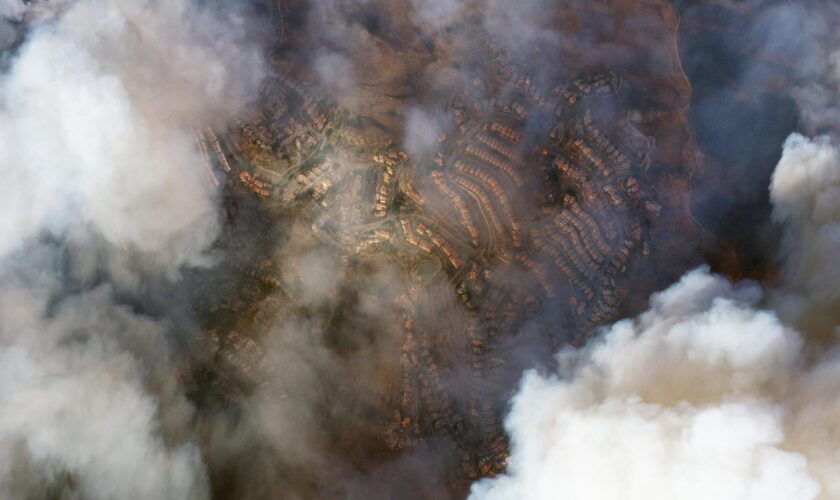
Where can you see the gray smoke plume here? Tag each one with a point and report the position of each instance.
(103, 188)
(77, 417)
(719, 390)
(708, 394)
(104, 195)
(96, 120)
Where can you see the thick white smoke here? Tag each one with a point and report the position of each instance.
(708, 394)
(805, 193)
(12, 9)
(73, 401)
(95, 120)
(101, 170)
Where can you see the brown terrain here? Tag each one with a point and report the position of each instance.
(546, 192)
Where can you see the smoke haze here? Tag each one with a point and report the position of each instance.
(120, 158)
(708, 394)
(718, 390)
(123, 246)
(103, 188)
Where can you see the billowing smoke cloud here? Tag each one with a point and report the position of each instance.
(104, 192)
(96, 123)
(76, 418)
(708, 394)
(421, 132)
(759, 71)
(818, 87)
(718, 390)
(696, 398)
(805, 193)
(104, 187)
(12, 9)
